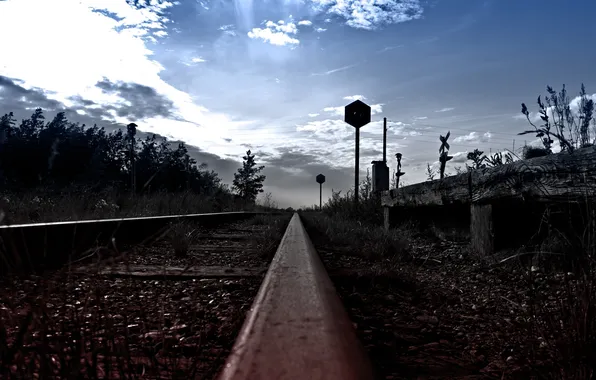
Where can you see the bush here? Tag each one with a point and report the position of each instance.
(533, 152)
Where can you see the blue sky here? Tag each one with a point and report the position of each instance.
(274, 75)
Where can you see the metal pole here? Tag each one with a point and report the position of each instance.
(384, 139)
(132, 166)
(356, 169)
(320, 197)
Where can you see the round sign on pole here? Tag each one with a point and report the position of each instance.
(321, 179)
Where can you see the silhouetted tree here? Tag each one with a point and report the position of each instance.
(61, 154)
(248, 183)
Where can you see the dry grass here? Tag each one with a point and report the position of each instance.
(564, 324)
(361, 239)
(561, 322)
(182, 235)
(80, 205)
(266, 242)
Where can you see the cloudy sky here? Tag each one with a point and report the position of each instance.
(274, 75)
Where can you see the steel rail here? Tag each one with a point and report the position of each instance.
(40, 246)
(297, 327)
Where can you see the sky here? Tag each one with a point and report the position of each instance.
(273, 76)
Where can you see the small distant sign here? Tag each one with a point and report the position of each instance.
(320, 179)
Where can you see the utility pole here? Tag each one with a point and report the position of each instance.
(385, 139)
(357, 166)
(132, 130)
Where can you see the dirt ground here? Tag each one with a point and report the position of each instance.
(448, 315)
(68, 323)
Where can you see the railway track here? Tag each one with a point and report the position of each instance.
(237, 299)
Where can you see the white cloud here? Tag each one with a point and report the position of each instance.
(313, 114)
(113, 46)
(228, 29)
(420, 118)
(445, 109)
(328, 72)
(474, 136)
(276, 33)
(305, 22)
(339, 111)
(459, 157)
(328, 130)
(354, 97)
(320, 30)
(370, 14)
(403, 129)
(193, 61)
(376, 109)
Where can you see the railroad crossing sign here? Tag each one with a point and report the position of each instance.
(357, 114)
(321, 179)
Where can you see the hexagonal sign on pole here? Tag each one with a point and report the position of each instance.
(320, 181)
(357, 114)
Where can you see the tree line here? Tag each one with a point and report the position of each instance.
(59, 154)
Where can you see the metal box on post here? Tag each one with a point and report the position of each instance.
(380, 176)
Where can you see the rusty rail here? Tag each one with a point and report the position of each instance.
(50, 245)
(297, 327)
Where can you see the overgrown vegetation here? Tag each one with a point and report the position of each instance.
(362, 239)
(572, 125)
(343, 206)
(59, 154)
(268, 239)
(59, 170)
(481, 160)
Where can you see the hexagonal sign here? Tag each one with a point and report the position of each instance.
(320, 178)
(357, 114)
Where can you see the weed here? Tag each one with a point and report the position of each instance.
(564, 324)
(268, 238)
(362, 239)
(182, 235)
(81, 205)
